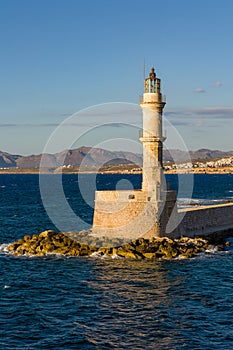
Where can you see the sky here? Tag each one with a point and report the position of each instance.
(59, 57)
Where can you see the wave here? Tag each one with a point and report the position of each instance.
(104, 256)
(190, 202)
(4, 248)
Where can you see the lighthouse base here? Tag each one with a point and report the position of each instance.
(133, 214)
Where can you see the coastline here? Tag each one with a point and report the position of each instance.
(113, 170)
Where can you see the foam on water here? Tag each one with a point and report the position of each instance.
(212, 249)
(190, 202)
(115, 256)
(4, 248)
(95, 255)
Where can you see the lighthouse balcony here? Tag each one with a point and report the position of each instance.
(147, 134)
(154, 97)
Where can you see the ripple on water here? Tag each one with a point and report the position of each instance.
(89, 303)
(57, 303)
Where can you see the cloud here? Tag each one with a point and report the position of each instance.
(4, 125)
(200, 90)
(116, 125)
(199, 118)
(179, 122)
(14, 125)
(198, 123)
(217, 84)
(68, 124)
(215, 112)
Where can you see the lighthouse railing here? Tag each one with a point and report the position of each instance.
(164, 98)
(148, 134)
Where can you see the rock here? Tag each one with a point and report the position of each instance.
(132, 254)
(129, 254)
(183, 256)
(128, 247)
(150, 255)
(73, 252)
(114, 251)
(66, 244)
(31, 250)
(20, 241)
(102, 250)
(170, 253)
(84, 251)
(27, 238)
(39, 249)
(13, 246)
(47, 233)
(49, 247)
(60, 250)
(167, 242)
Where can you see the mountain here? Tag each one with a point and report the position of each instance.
(201, 154)
(88, 156)
(33, 161)
(208, 154)
(8, 160)
(84, 156)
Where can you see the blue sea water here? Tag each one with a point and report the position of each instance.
(56, 302)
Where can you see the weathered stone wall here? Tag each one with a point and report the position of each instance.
(205, 220)
(131, 214)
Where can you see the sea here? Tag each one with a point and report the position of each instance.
(58, 302)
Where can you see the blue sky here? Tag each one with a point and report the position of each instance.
(60, 56)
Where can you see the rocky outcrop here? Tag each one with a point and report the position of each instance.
(51, 242)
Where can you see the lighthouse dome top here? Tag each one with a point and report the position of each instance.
(152, 73)
(152, 84)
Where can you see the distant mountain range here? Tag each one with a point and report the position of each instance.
(200, 154)
(96, 157)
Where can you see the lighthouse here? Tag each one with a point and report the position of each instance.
(144, 212)
(152, 104)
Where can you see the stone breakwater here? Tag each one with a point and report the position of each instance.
(51, 242)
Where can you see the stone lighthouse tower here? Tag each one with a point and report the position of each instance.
(152, 104)
(145, 212)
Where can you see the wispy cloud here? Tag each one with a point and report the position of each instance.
(68, 124)
(217, 84)
(199, 90)
(200, 118)
(215, 112)
(206, 112)
(21, 125)
(198, 123)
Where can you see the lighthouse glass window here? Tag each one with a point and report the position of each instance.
(146, 85)
(153, 86)
(157, 85)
